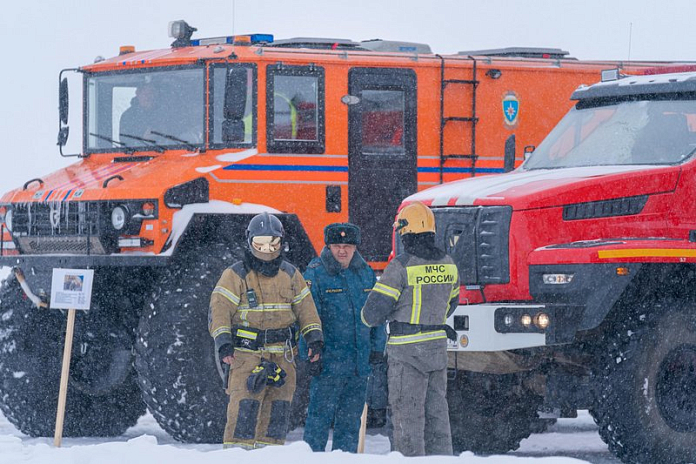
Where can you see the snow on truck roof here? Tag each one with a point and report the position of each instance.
(654, 84)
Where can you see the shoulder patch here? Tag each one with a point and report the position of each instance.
(315, 263)
(240, 269)
(288, 268)
(403, 258)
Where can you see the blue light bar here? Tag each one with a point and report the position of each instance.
(257, 38)
(253, 38)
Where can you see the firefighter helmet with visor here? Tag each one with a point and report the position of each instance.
(265, 236)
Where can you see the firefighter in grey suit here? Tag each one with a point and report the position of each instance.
(417, 292)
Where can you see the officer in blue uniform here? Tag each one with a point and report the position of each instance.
(340, 281)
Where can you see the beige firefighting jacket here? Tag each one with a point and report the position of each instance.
(281, 301)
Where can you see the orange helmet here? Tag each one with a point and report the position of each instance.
(415, 218)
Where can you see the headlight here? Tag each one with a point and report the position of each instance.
(542, 320)
(119, 216)
(148, 208)
(526, 320)
(8, 220)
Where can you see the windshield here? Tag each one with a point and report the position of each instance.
(156, 109)
(626, 133)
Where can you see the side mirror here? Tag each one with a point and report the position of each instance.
(528, 150)
(63, 106)
(233, 131)
(63, 136)
(509, 156)
(235, 94)
(63, 100)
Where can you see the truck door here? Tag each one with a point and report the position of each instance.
(382, 168)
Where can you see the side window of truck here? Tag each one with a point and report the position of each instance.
(383, 117)
(295, 109)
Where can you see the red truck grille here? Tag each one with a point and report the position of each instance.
(477, 239)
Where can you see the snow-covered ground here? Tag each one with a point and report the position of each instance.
(569, 441)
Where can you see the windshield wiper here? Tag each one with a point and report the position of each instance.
(153, 143)
(125, 146)
(186, 143)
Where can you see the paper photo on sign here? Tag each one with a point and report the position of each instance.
(71, 288)
(73, 282)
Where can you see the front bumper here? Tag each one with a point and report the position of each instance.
(482, 328)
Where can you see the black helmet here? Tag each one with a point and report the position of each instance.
(264, 236)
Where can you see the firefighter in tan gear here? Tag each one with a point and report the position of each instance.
(259, 308)
(417, 292)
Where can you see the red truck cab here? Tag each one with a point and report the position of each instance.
(578, 274)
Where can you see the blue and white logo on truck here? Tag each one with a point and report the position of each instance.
(511, 109)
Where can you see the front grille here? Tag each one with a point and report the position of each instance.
(60, 228)
(56, 219)
(477, 239)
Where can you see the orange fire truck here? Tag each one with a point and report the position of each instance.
(182, 146)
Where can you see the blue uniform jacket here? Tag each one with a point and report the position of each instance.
(339, 295)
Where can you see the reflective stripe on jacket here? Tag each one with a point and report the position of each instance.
(414, 290)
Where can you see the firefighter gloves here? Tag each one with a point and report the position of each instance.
(226, 350)
(257, 379)
(266, 373)
(276, 375)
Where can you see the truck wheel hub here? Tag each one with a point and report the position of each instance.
(675, 388)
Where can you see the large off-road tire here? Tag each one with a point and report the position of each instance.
(175, 356)
(645, 385)
(103, 398)
(490, 414)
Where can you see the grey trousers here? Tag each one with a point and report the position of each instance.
(419, 410)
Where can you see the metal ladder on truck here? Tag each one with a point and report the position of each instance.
(466, 119)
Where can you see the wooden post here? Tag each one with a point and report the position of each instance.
(363, 430)
(65, 373)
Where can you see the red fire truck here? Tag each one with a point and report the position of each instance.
(578, 272)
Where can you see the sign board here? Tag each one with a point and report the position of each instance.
(71, 288)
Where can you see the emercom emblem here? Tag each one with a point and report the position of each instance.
(511, 109)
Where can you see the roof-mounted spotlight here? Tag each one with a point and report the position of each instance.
(182, 32)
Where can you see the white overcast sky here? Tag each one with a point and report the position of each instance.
(42, 37)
